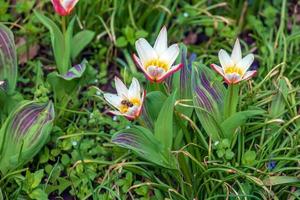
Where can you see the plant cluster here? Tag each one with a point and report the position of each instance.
(202, 125)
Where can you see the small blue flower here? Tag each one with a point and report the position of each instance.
(271, 165)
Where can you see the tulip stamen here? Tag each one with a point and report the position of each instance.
(126, 104)
(234, 69)
(157, 63)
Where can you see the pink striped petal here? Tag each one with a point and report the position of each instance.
(249, 74)
(140, 65)
(169, 73)
(58, 7)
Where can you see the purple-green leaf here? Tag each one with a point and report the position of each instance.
(23, 134)
(8, 59)
(75, 72)
(143, 143)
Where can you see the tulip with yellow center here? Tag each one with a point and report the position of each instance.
(234, 68)
(127, 102)
(157, 62)
(64, 7)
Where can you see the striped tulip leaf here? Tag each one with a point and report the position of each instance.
(143, 143)
(75, 72)
(24, 133)
(208, 99)
(8, 60)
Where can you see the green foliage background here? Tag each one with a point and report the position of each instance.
(79, 160)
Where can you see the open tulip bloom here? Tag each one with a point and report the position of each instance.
(234, 68)
(64, 7)
(128, 102)
(157, 62)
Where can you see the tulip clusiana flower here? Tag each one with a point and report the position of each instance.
(128, 102)
(234, 68)
(157, 62)
(64, 7)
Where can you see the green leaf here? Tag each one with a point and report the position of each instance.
(38, 175)
(163, 130)
(57, 41)
(153, 103)
(80, 41)
(236, 120)
(249, 158)
(279, 100)
(8, 59)
(38, 194)
(121, 42)
(279, 180)
(24, 133)
(142, 142)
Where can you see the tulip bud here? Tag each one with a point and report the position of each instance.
(24, 133)
(64, 7)
(8, 60)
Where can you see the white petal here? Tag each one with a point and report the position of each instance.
(113, 99)
(170, 54)
(236, 54)
(69, 4)
(144, 50)
(225, 60)
(134, 89)
(246, 62)
(249, 74)
(161, 43)
(121, 88)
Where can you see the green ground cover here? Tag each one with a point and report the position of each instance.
(197, 137)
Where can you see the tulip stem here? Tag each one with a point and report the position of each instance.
(63, 24)
(231, 100)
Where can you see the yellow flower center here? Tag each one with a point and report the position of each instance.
(234, 69)
(126, 104)
(157, 63)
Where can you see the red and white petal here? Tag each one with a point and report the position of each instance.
(58, 7)
(69, 4)
(118, 113)
(172, 70)
(134, 89)
(145, 51)
(218, 69)
(249, 74)
(225, 59)
(113, 99)
(142, 103)
(121, 88)
(115, 112)
(140, 65)
(233, 78)
(170, 54)
(161, 43)
(246, 62)
(236, 54)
